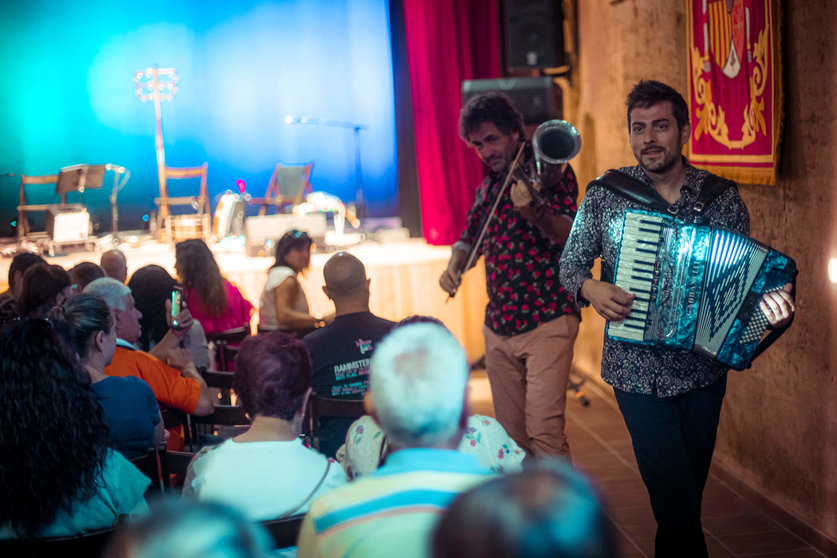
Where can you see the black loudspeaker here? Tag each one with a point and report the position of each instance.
(534, 34)
(538, 99)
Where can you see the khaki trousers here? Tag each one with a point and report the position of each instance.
(528, 375)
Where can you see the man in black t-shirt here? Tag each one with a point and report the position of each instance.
(341, 351)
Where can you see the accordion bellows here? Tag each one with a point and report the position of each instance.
(697, 288)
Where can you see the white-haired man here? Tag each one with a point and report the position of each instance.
(175, 383)
(417, 393)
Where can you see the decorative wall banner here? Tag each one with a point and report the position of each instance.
(735, 87)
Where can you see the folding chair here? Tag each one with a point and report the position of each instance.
(91, 543)
(284, 531)
(287, 187)
(330, 407)
(226, 345)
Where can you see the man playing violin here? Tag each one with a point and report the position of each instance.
(530, 321)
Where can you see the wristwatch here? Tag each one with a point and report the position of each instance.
(318, 321)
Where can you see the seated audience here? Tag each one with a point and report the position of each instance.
(417, 393)
(8, 299)
(151, 287)
(282, 304)
(57, 474)
(341, 351)
(215, 302)
(85, 323)
(44, 286)
(84, 273)
(20, 263)
(191, 530)
(115, 265)
(175, 383)
(546, 511)
(266, 471)
(367, 447)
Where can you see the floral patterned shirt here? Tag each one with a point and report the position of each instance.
(521, 263)
(595, 234)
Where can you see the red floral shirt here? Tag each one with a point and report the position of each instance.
(521, 264)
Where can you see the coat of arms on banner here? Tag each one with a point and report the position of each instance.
(735, 95)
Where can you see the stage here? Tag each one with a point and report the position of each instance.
(404, 273)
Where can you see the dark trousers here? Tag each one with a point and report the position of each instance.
(673, 440)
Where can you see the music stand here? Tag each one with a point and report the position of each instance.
(76, 178)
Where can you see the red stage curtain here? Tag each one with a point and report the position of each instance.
(448, 41)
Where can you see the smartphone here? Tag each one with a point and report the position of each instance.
(176, 305)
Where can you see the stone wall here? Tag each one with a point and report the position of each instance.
(779, 424)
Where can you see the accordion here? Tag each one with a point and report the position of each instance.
(697, 288)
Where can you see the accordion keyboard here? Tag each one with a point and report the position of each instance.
(638, 271)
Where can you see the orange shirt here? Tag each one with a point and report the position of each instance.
(169, 387)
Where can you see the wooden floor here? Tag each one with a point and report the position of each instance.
(601, 448)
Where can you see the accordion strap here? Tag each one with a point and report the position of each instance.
(629, 187)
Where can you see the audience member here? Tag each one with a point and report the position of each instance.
(44, 286)
(84, 273)
(367, 447)
(57, 474)
(176, 384)
(546, 511)
(273, 382)
(151, 286)
(341, 351)
(85, 323)
(8, 299)
(115, 265)
(215, 302)
(417, 393)
(191, 530)
(20, 263)
(282, 304)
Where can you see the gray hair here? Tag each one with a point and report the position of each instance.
(110, 290)
(417, 381)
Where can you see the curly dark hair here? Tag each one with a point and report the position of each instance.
(151, 286)
(294, 239)
(272, 373)
(496, 108)
(78, 318)
(649, 92)
(54, 437)
(199, 271)
(42, 283)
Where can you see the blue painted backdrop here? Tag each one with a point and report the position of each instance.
(68, 95)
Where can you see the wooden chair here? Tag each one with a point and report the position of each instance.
(173, 418)
(199, 202)
(150, 466)
(284, 531)
(330, 407)
(287, 187)
(226, 345)
(226, 416)
(175, 463)
(221, 381)
(92, 543)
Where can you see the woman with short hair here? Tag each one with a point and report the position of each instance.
(267, 471)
